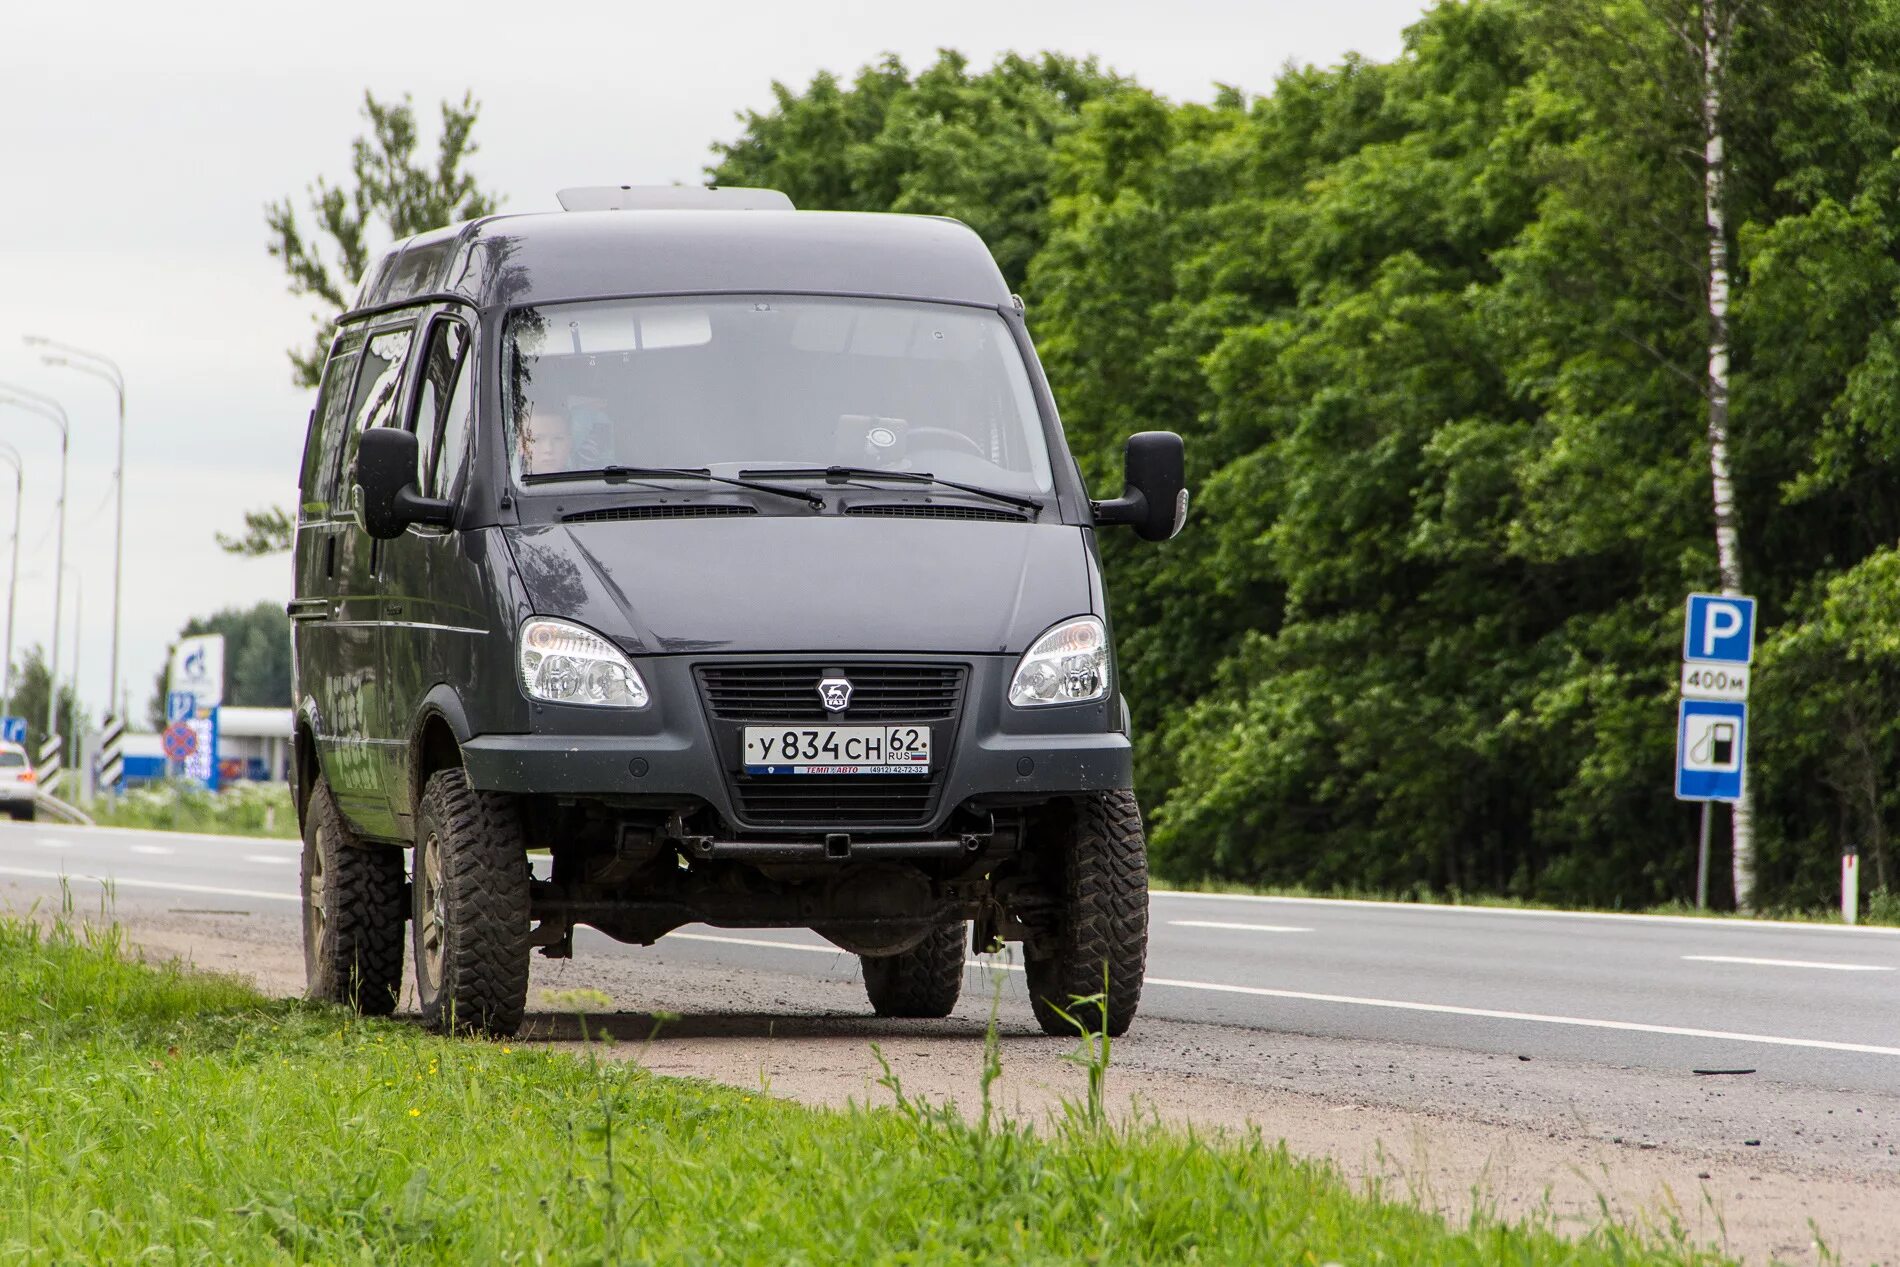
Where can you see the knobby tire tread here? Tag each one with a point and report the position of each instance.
(359, 960)
(485, 876)
(1102, 919)
(923, 981)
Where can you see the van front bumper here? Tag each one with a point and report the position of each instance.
(991, 754)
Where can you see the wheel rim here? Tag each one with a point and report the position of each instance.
(432, 910)
(314, 893)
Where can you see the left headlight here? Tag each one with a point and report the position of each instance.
(1067, 665)
(566, 663)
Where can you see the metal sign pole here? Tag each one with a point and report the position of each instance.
(1702, 863)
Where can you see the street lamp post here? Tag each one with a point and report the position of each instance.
(79, 629)
(48, 408)
(54, 352)
(11, 456)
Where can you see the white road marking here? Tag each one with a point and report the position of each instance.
(51, 842)
(1790, 963)
(122, 883)
(1635, 1027)
(150, 849)
(1239, 928)
(754, 941)
(1712, 924)
(272, 858)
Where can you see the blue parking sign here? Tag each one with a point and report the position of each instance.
(1719, 628)
(1711, 749)
(13, 729)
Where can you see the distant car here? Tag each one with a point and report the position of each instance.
(19, 787)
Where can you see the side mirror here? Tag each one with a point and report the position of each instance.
(386, 479)
(1155, 496)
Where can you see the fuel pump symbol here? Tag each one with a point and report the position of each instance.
(1716, 748)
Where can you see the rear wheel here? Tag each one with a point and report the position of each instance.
(353, 909)
(471, 908)
(1095, 945)
(922, 981)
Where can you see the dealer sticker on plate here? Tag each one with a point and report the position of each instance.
(837, 750)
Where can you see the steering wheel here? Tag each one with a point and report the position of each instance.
(958, 436)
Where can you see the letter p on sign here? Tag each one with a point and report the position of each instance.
(1720, 628)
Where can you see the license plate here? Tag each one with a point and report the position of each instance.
(837, 750)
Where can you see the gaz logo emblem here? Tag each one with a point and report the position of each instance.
(836, 692)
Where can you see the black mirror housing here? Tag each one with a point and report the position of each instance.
(1154, 498)
(387, 498)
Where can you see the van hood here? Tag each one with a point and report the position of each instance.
(770, 583)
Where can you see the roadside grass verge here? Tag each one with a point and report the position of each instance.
(243, 809)
(1878, 906)
(157, 1115)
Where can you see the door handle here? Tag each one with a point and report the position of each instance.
(308, 609)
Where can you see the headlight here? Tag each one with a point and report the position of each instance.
(1067, 665)
(564, 663)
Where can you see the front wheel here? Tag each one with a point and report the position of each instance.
(1095, 944)
(923, 981)
(471, 909)
(353, 910)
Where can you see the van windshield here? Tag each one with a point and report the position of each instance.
(754, 382)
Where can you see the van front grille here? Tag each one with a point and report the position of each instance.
(767, 693)
(822, 803)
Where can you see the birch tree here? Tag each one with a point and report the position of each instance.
(1715, 31)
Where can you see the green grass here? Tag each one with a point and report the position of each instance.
(1878, 906)
(244, 809)
(160, 1116)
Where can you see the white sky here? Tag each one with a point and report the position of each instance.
(139, 143)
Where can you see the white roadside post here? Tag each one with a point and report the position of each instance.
(1850, 885)
(1718, 643)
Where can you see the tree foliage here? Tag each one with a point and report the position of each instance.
(1436, 331)
(30, 682)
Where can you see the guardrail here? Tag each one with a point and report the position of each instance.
(47, 802)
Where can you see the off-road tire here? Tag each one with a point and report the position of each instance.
(923, 981)
(471, 909)
(1100, 878)
(355, 900)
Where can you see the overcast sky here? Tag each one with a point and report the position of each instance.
(139, 143)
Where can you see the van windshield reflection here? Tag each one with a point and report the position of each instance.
(758, 382)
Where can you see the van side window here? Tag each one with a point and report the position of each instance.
(373, 404)
(318, 482)
(440, 420)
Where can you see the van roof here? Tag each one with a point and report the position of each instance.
(545, 257)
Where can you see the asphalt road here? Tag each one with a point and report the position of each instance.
(1811, 1006)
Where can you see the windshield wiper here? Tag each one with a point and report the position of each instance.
(838, 474)
(670, 473)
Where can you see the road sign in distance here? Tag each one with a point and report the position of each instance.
(1719, 628)
(13, 729)
(1711, 748)
(181, 740)
(1701, 680)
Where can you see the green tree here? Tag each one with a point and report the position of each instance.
(257, 670)
(393, 194)
(30, 686)
(946, 142)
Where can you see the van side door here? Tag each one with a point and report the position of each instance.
(361, 730)
(315, 651)
(436, 609)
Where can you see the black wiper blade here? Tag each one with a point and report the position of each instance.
(669, 473)
(900, 477)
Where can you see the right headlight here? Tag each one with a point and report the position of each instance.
(1067, 665)
(566, 663)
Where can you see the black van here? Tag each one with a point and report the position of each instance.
(734, 557)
